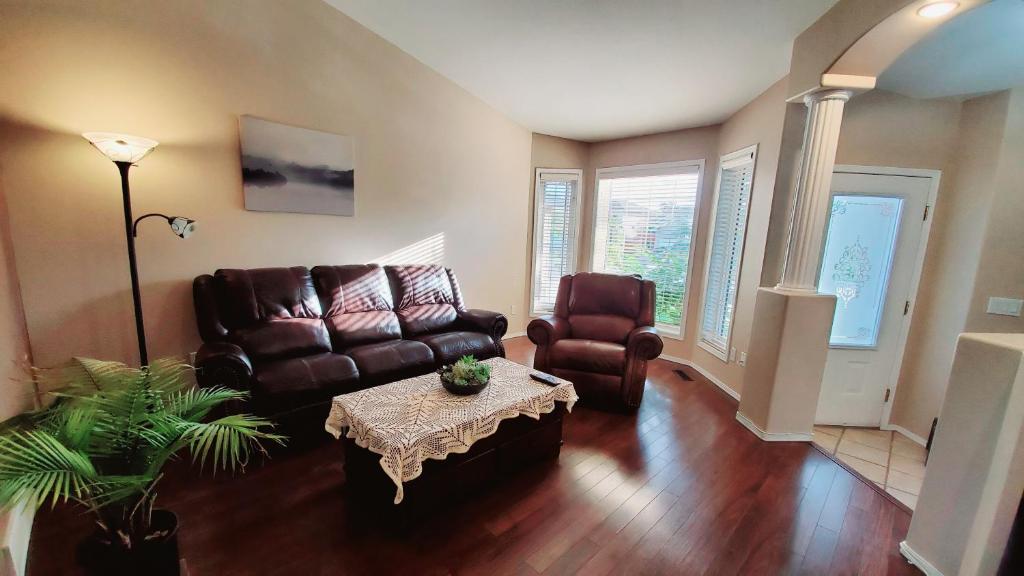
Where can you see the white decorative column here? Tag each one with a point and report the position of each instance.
(818, 159)
(792, 321)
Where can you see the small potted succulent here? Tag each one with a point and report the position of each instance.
(466, 376)
(103, 443)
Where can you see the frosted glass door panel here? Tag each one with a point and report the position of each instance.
(855, 267)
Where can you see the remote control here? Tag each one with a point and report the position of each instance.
(544, 378)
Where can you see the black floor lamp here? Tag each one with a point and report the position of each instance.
(125, 151)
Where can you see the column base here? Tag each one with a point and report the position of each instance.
(785, 364)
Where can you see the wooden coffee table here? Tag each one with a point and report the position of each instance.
(410, 444)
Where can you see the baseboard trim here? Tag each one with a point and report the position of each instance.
(771, 436)
(918, 560)
(721, 385)
(513, 335)
(906, 433)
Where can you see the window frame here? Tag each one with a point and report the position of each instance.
(639, 170)
(576, 215)
(710, 347)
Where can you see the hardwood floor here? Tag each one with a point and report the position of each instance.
(679, 487)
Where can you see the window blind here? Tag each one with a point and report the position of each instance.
(643, 225)
(732, 204)
(555, 223)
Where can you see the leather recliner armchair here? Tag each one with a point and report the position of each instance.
(600, 337)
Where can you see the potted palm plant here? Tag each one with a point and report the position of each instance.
(103, 443)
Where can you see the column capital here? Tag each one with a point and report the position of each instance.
(812, 202)
(821, 95)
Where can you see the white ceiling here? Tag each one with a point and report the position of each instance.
(599, 69)
(978, 52)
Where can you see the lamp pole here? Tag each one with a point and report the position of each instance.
(129, 236)
(125, 150)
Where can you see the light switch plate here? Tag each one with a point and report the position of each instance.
(1005, 306)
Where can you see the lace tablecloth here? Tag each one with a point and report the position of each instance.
(409, 421)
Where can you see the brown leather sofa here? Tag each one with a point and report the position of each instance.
(600, 337)
(294, 338)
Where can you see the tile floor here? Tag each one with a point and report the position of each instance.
(889, 459)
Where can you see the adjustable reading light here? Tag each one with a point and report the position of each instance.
(125, 151)
(181, 226)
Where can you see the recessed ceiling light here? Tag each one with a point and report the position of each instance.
(937, 9)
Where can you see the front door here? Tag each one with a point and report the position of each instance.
(869, 262)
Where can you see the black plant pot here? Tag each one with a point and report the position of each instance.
(463, 390)
(156, 557)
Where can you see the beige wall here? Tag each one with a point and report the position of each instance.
(886, 129)
(951, 264)
(1001, 266)
(430, 159)
(15, 389)
(692, 144)
(759, 122)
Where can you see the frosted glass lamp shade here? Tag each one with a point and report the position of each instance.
(183, 227)
(121, 147)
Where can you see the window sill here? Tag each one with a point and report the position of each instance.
(670, 332)
(720, 354)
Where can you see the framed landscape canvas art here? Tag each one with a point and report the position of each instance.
(289, 169)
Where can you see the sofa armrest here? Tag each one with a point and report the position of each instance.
(223, 364)
(494, 324)
(644, 342)
(547, 330)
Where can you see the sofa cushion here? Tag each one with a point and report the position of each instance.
(607, 327)
(359, 328)
(392, 360)
(426, 298)
(357, 304)
(450, 346)
(283, 338)
(271, 312)
(252, 296)
(419, 284)
(284, 385)
(426, 319)
(588, 356)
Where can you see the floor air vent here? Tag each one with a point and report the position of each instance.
(684, 375)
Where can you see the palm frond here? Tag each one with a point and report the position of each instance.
(196, 403)
(36, 466)
(228, 441)
(169, 375)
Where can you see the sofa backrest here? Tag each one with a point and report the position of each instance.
(605, 306)
(357, 304)
(271, 312)
(290, 312)
(427, 297)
